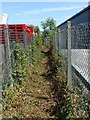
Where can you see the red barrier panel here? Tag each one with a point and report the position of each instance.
(16, 32)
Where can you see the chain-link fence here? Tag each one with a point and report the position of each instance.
(8, 39)
(73, 44)
(79, 48)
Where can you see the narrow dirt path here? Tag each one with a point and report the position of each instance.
(43, 95)
(40, 92)
(34, 99)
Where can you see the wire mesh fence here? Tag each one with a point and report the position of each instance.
(73, 44)
(8, 40)
(80, 47)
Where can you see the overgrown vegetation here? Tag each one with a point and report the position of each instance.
(20, 64)
(49, 29)
(69, 102)
(40, 89)
(25, 57)
(44, 94)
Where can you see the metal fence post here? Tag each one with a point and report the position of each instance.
(55, 42)
(58, 42)
(89, 52)
(8, 56)
(59, 31)
(25, 39)
(1, 78)
(69, 54)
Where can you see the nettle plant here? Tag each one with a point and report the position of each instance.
(20, 63)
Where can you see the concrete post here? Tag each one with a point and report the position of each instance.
(25, 39)
(69, 54)
(8, 55)
(56, 41)
(3, 20)
(59, 31)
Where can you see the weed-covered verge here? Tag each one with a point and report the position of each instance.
(73, 103)
(43, 92)
(30, 96)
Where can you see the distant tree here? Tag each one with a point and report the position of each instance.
(49, 29)
(31, 25)
(38, 36)
(37, 30)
